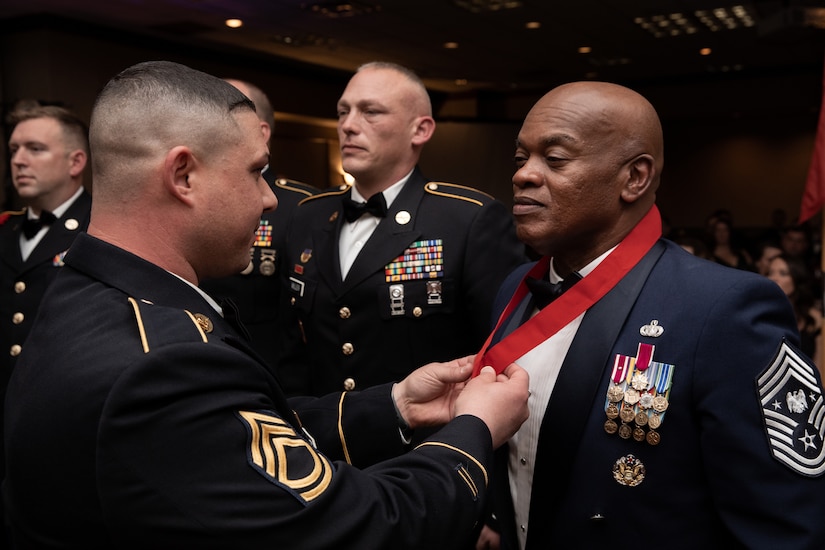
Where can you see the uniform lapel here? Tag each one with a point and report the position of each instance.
(574, 394)
(326, 241)
(59, 237)
(392, 236)
(10, 242)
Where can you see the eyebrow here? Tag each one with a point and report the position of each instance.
(555, 139)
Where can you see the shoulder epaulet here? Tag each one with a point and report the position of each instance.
(296, 186)
(340, 190)
(455, 191)
(160, 326)
(4, 216)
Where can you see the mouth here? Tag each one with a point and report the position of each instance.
(350, 148)
(523, 205)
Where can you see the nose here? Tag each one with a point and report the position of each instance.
(268, 198)
(526, 175)
(346, 123)
(18, 157)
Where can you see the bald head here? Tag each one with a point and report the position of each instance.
(589, 160)
(614, 116)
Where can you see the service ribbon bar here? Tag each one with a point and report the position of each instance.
(422, 260)
(263, 236)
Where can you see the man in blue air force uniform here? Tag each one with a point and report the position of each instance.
(670, 405)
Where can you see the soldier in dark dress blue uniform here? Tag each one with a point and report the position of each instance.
(140, 417)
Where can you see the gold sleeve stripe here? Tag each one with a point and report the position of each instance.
(140, 325)
(341, 428)
(452, 196)
(468, 479)
(197, 326)
(456, 449)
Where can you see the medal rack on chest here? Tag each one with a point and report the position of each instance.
(638, 396)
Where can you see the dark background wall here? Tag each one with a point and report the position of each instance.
(749, 161)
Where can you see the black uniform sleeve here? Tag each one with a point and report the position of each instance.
(193, 453)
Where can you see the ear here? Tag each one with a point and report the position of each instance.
(77, 162)
(640, 174)
(424, 128)
(178, 166)
(266, 129)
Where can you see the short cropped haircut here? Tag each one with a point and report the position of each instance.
(408, 73)
(74, 129)
(153, 106)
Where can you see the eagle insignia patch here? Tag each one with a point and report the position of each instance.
(793, 410)
(285, 458)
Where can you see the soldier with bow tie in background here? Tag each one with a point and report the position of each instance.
(48, 150)
(396, 270)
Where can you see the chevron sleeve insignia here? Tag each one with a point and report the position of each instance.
(793, 411)
(279, 454)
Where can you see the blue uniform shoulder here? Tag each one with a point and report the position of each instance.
(295, 187)
(159, 326)
(458, 192)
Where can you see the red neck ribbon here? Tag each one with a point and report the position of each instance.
(572, 303)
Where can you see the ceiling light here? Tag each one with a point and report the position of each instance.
(478, 6)
(533, 25)
(451, 45)
(233, 23)
(460, 81)
(705, 51)
(340, 10)
(585, 49)
(678, 23)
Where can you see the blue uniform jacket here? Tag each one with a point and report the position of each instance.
(723, 475)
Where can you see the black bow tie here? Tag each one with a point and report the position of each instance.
(545, 292)
(376, 206)
(31, 226)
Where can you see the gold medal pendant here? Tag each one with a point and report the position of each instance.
(615, 393)
(625, 431)
(632, 396)
(660, 403)
(627, 414)
(610, 427)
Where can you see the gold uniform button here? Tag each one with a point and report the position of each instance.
(292, 301)
(417, 311)
(17, 318)
(15, 350)
(349, 384)
(19, 287)
(347, 349)
(344, 313)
